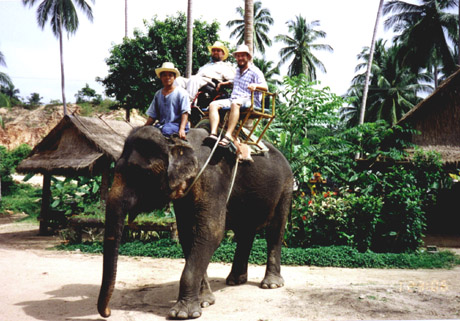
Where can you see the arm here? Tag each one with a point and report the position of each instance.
(260, 87)
(183, 123)
(149, 121)
(224, 84)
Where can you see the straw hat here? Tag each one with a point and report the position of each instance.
(242, 48)
(167, 66)
(219, 45)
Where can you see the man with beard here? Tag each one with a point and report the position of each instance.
(217, 70)
(248, 78)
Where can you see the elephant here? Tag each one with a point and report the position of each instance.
(153, 171)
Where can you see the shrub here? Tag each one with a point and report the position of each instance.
(8, 162)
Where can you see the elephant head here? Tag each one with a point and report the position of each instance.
(151, 171)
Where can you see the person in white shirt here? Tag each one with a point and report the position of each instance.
(217, 68)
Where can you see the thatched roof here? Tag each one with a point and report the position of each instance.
(77, 145)
(437, 118)
(438, 97)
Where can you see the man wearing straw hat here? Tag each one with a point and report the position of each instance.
(248, 78)
(170, 105)
(217, 69)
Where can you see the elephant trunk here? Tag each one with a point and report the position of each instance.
(114, 222)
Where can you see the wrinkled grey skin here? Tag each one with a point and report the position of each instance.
(152, 171)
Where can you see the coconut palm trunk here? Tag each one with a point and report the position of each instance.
(369, 65)
(188, 69)
(126, 18)
(61, 51)
(249, 24)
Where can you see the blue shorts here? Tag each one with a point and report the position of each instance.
(169, 129)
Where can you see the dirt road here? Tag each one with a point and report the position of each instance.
(39, 284)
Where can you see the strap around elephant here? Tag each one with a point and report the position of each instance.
(205, 164)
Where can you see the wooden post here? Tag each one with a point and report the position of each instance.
(45, 209)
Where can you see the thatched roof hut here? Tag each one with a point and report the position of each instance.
(437, 118)
(78, 146)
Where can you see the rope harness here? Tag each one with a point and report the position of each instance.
(235, 168)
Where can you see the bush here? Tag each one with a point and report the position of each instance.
(337, 256)
(8, 162)
(25, 199)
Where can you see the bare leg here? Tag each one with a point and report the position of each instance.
(233, 119)
(214, 117)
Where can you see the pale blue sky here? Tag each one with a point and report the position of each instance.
(32, 55)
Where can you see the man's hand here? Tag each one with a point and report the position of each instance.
(182, 134)
(252, 87)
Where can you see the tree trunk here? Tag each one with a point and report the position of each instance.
(249, 24)
(62, 67)
(45, 208)
(126, 18)
(369, 65)
(458, 48)
(188, 69)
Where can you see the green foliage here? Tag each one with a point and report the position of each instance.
(338, 256)
(394, 87)
(4, 101)
(25, 199)
(389, 203)
(261, 24)
(74, 195)
(34, 100)
(87, 94)
(306, 115)
(131, 78)
(332, 218)
(300, 44)
(8, 162)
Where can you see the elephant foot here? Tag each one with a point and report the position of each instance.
(185, 310)
(236, 279)
(272, 282)
(207, 299)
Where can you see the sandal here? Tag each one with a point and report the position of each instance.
(211, 138)
(225, 142)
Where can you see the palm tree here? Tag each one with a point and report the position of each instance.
(393, 87)
(62, 14)
(4, 78)
(300, 45)
(261, 25)
(269, 72)
(11, 92)
(188, 68)
(368, 72)
(249, 25)
(423, 29)
(126, 18)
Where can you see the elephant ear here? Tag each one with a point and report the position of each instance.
(182, 167)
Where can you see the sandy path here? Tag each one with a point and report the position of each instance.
(38, 284)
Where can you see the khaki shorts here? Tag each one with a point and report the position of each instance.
(226, 103)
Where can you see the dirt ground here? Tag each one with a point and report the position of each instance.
(42, 284)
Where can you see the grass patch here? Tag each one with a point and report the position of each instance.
(25, 198)
(335, 256)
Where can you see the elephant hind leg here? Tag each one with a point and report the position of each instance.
(239, 272)
(274, 237)
(207, 298)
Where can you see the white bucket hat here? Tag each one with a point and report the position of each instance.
(242, 48)
(167, 66)
(219, 45)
